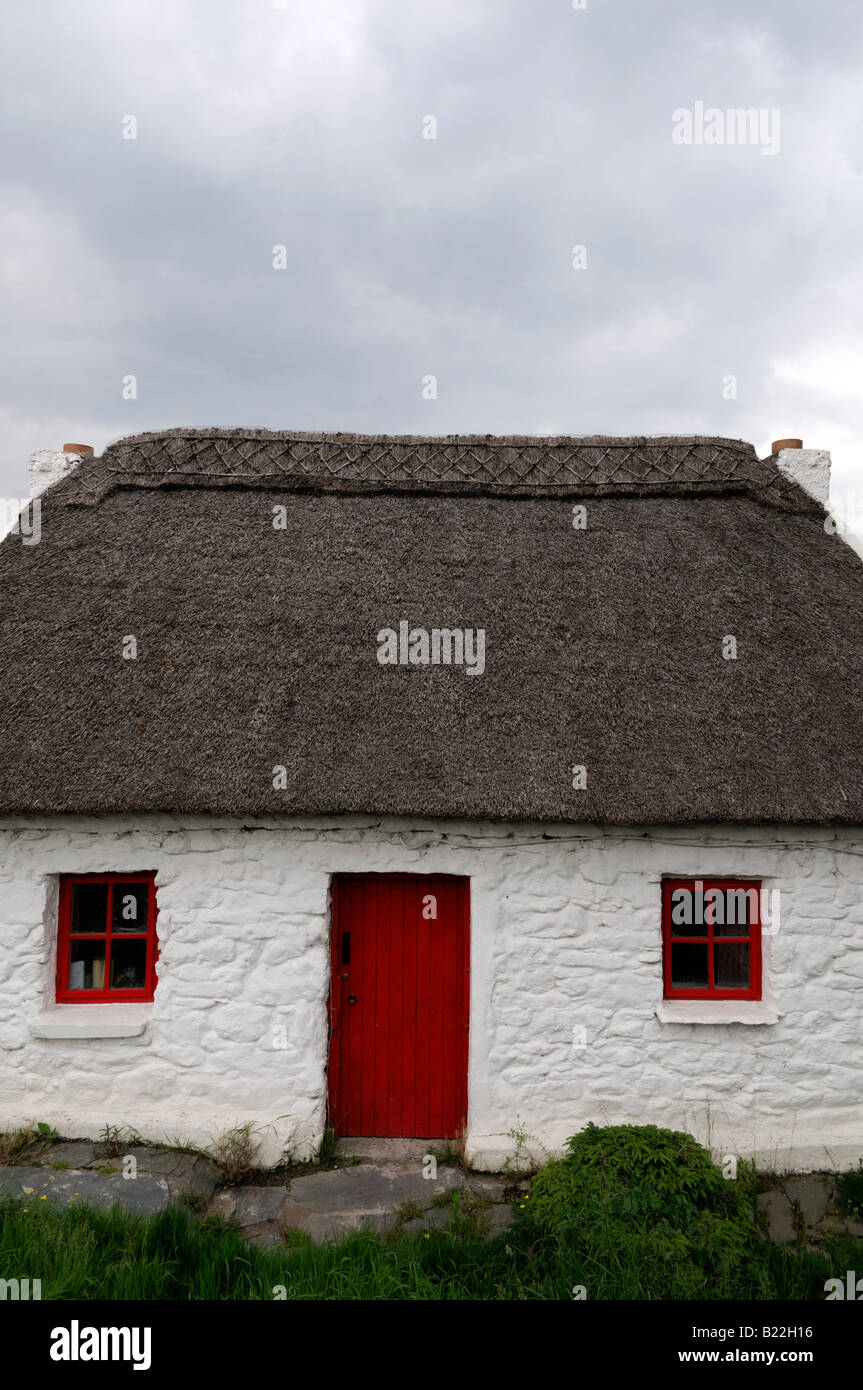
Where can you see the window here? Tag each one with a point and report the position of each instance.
(711, 937)
(107, 949)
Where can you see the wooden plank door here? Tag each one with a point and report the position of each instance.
(399, 1001)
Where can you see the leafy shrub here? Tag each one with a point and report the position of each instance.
(649, 1206)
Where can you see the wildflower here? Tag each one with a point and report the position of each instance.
(28, 1189)
(43, 1198)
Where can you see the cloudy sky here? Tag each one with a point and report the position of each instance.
(301, 124)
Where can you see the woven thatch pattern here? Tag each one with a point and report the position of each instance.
(539, 462)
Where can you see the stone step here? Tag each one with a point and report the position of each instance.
(367, 1195)
(389, 1150)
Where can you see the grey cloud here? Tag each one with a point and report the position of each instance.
(302, 127)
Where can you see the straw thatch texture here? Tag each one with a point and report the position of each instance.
(257, 646)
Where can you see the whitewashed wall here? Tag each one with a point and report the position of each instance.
(565, 984)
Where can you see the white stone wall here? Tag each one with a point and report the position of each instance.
(565, 983)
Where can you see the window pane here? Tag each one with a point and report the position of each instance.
(89, 907)
(129, 912)
(731, 966)
(686, 910)
(87, 965)
(740, 910)
(128, 964)
(689, 967)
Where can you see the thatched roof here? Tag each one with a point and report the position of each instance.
(257, 647)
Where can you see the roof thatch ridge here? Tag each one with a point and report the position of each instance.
(511, 465)
(489, 440)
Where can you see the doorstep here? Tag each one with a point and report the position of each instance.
(389, 1150)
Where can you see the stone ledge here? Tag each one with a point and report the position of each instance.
(92, 1021)
(145, 1195)
(722, 1011)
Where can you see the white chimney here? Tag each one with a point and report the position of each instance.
(48, 466)
(808, 467)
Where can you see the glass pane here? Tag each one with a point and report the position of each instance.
(689, 967)
(687, 912)
(87, 965)
(128, 964)
(731, 965)
(740, 910)
(89, 907)
(129, 912)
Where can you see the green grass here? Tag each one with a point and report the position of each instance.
(630, 1212)
(86, 1254)
(15, 1145)
(408, 1211)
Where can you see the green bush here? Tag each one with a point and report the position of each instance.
(648, 1208)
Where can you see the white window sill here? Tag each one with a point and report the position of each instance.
(720, 1011)
(92, 1021)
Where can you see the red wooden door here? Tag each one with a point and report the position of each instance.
(399, 1005)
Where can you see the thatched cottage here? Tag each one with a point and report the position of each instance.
(426, 787)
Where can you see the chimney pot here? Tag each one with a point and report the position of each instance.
(785, 444)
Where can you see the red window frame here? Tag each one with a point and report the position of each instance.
(65, 937)
(707, 938)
